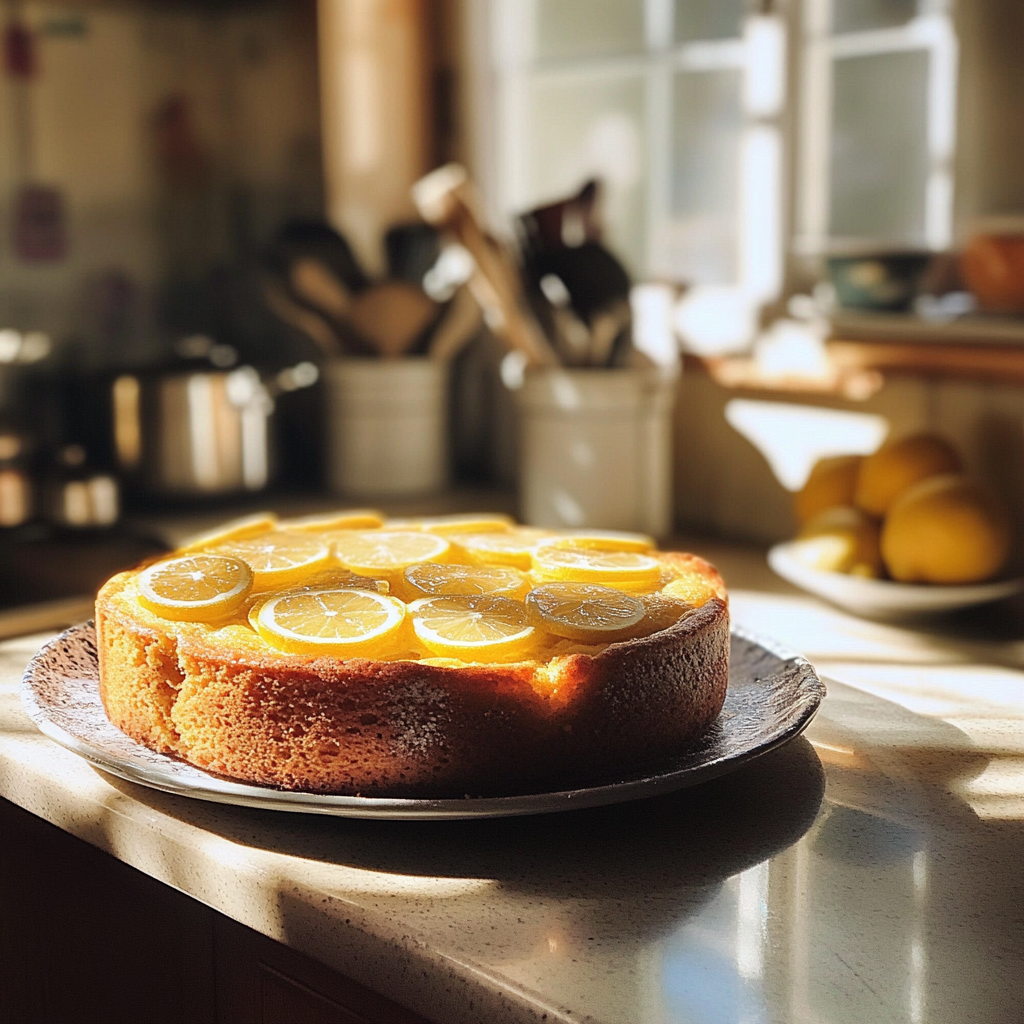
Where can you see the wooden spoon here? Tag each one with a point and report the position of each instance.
(393, 316)
(446, 199)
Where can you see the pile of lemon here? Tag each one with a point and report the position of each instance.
(907, 512)
(472, 588)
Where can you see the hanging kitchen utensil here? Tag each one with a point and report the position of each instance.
(445, 198)
(40, 225)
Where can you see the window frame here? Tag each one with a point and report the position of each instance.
(504, 66)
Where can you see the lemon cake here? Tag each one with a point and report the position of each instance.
(450, 657)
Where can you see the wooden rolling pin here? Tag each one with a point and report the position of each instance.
(445, 199)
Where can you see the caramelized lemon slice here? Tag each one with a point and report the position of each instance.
(557, 562)
(387, 552)
(430, 579)
(279, 559)
(693, 589)
(585, 611)
(605, 540)
(480, 627)
(350, 519)
(236, 529)
(513, 547)
(196, 588)
(338, 623)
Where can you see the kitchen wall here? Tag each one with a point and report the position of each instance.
(725, 486)
(176, 136)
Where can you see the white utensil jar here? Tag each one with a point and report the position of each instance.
(595, 449)
(387, 426)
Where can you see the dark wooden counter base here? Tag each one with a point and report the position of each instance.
(85, 938)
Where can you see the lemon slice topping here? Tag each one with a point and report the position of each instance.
(479, 627)
(585, 611)
(694, 589)
(350, 519)
(511, 547)
(236, 529)
(331, 578)
(430, 579)
(606, 540)
(480, 522)
(279, 559)
(195, 588)
(339, 623)
(387, 552)
(557, 562)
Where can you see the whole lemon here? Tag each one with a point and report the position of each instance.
(899, 464)
(832, 482)
(946, 529)
(841, 539)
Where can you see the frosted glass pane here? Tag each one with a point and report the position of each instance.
(589, 28)
(593, 126)
(880, 147)
(857, 15)
(708, 19)
(700, 243)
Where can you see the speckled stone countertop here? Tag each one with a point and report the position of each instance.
(872, 870)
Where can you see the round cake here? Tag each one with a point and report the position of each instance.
(452, 657)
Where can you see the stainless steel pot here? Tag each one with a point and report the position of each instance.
(195, 433)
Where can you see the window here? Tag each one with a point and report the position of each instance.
(672, 103)
(680, 107)
(878, 124)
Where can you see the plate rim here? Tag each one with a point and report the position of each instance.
(226, 791)
(780, 556)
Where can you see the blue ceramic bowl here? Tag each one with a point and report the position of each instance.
(882, 283)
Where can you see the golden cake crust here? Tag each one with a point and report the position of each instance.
(223, 701)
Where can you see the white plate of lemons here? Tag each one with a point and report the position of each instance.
(899, 533)
(877, 598)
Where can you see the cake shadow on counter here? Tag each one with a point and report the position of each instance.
(678, 847)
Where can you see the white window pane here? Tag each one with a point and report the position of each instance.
(701, 245)
(589, 28)
(593, 127)
(879, 159)
(708, 19)
(857, 15)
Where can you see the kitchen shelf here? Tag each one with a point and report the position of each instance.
(858, 367)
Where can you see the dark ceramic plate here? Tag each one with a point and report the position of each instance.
(772, 696)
